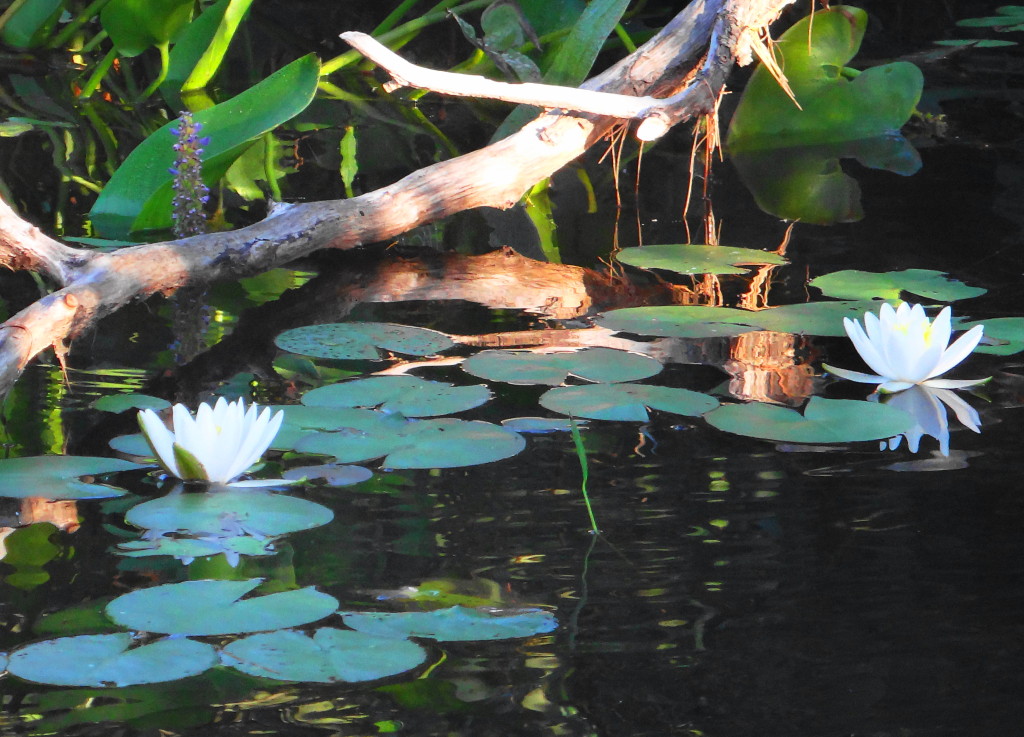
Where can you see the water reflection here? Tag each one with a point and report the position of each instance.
(927, 406)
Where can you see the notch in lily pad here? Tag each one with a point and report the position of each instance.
(362, 341)
(603, 365)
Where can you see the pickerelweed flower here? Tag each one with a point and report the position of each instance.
(905, 348)
(217, 445)
(190, 193)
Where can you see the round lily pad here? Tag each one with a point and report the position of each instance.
(539, 425)
(687, 258)
(329, 656)
(625, 402)
(333, 474)
(300, 420)
(216, 608)
(1008, 332)
(606, 365)
(58, 477)
(122, 402)
(362, 340)
(823, 421)
(454, 624)
(854, 284)
(410, 396)
(110, 660)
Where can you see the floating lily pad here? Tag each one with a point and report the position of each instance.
(537, 425)
(627, 402)
(823, 421)
(333, 474)
(814, 318)
(410, 396)
(122, 402)
(1008, 331)
(853, 284)
(58, 477)
(229, 511)
(443, 443)
(687, 258)
(187, 549)
(331, 655)
(134, 445)
(109, 660)
(454, 624)
(593, 364)
(215, 608)
(362, 340)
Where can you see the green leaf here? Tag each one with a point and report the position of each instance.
(1007, 331)
(230, 17)
(362, 340)
(592, 364)
(330, 656)
(137, 25)
(213, 608)
(138, 196)
(332, 474)
(852, 284)
(823, 421)
(110, 660)
(349, 162)
(122, 402)
(30, 25)
(455, 624)
(687, 258)
(410, 396)
(835, 108)
(576, 55)
(625, 402)
(57, 477)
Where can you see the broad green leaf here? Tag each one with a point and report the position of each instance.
(110, 660)
(444, 443)
(823, 421)
(300, 420)
(362, 340)
(330, 656)
(31, 24)
(122, 402)
(813, 56)
(138, 196)
(977, 43)
(455, 624)
(137, 25)
(84, 618)
(230, 17)
(1007, 331)
(687, 258)
(214, 608)
(605, 365)
(626, 402)
(410, 396)
(576, 55)
(229, 511)
(189, 47)
(852, 284)
(814, 318)
(58, 477)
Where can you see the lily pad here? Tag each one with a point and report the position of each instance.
(853, 284)
(823, 421)
(592, 364)
(214, 608)
(454, 624)
(366, 341)
(442, 443)
(688, 258)
(410, 396)
(333, 474)
(229, 511)
(539, 425)
(626, 402)
(58, 477)
(1008, 331)
(187, 549)
(110, 660)
(300, 420)
(123, 402)
(330, 656)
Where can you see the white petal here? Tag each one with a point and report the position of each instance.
(953, 383)
(867, 348)
(957, 352)
(853, 375)
(894, 385)
(160, 439)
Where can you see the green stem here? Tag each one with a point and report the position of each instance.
(268, 166)
(581, 453)
(388, 23)
(97, 75)
(165, 63)
(90, 12)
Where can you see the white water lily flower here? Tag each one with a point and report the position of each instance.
(905, 348)
(217, 445)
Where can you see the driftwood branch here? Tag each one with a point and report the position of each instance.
(94, 285)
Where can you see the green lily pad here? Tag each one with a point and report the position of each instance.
(122, 402)
(853, 284)
(687, 258)
(1008, 331)
(300, 420)
(329, 656)
(823, 421)
(538, 425)
(110, 660)
(215, 608)
(333, 474)
(229, 511)
(57, 477)
(362, 340)
(187, 549)
(454, 624)
(410, 396)
(814, 318)
(592, 364)
(443, 443)
(625, 402)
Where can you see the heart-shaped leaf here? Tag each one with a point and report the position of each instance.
(627, 402)
(57, 477)
(592, 364)
(853, 284)
(454, 624)
(410, 396)
(687, 258)
(362, 340)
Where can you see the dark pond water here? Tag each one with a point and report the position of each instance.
(739, 586)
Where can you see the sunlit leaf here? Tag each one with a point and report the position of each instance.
(454, 624)
(823, 421)
(110, 660)
(362, 340)
(330, 656)
(30, 24)
(136, 25)
(688, 258)
(122, 402)
(593, 364)
(406, 395)
(57, 477)
(1007, 331)
(853, 284)
(229, 13)
(214, 608)
(626, 402)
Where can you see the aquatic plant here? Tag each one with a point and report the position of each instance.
(190, 193)
(905, 348)
(217, 445)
